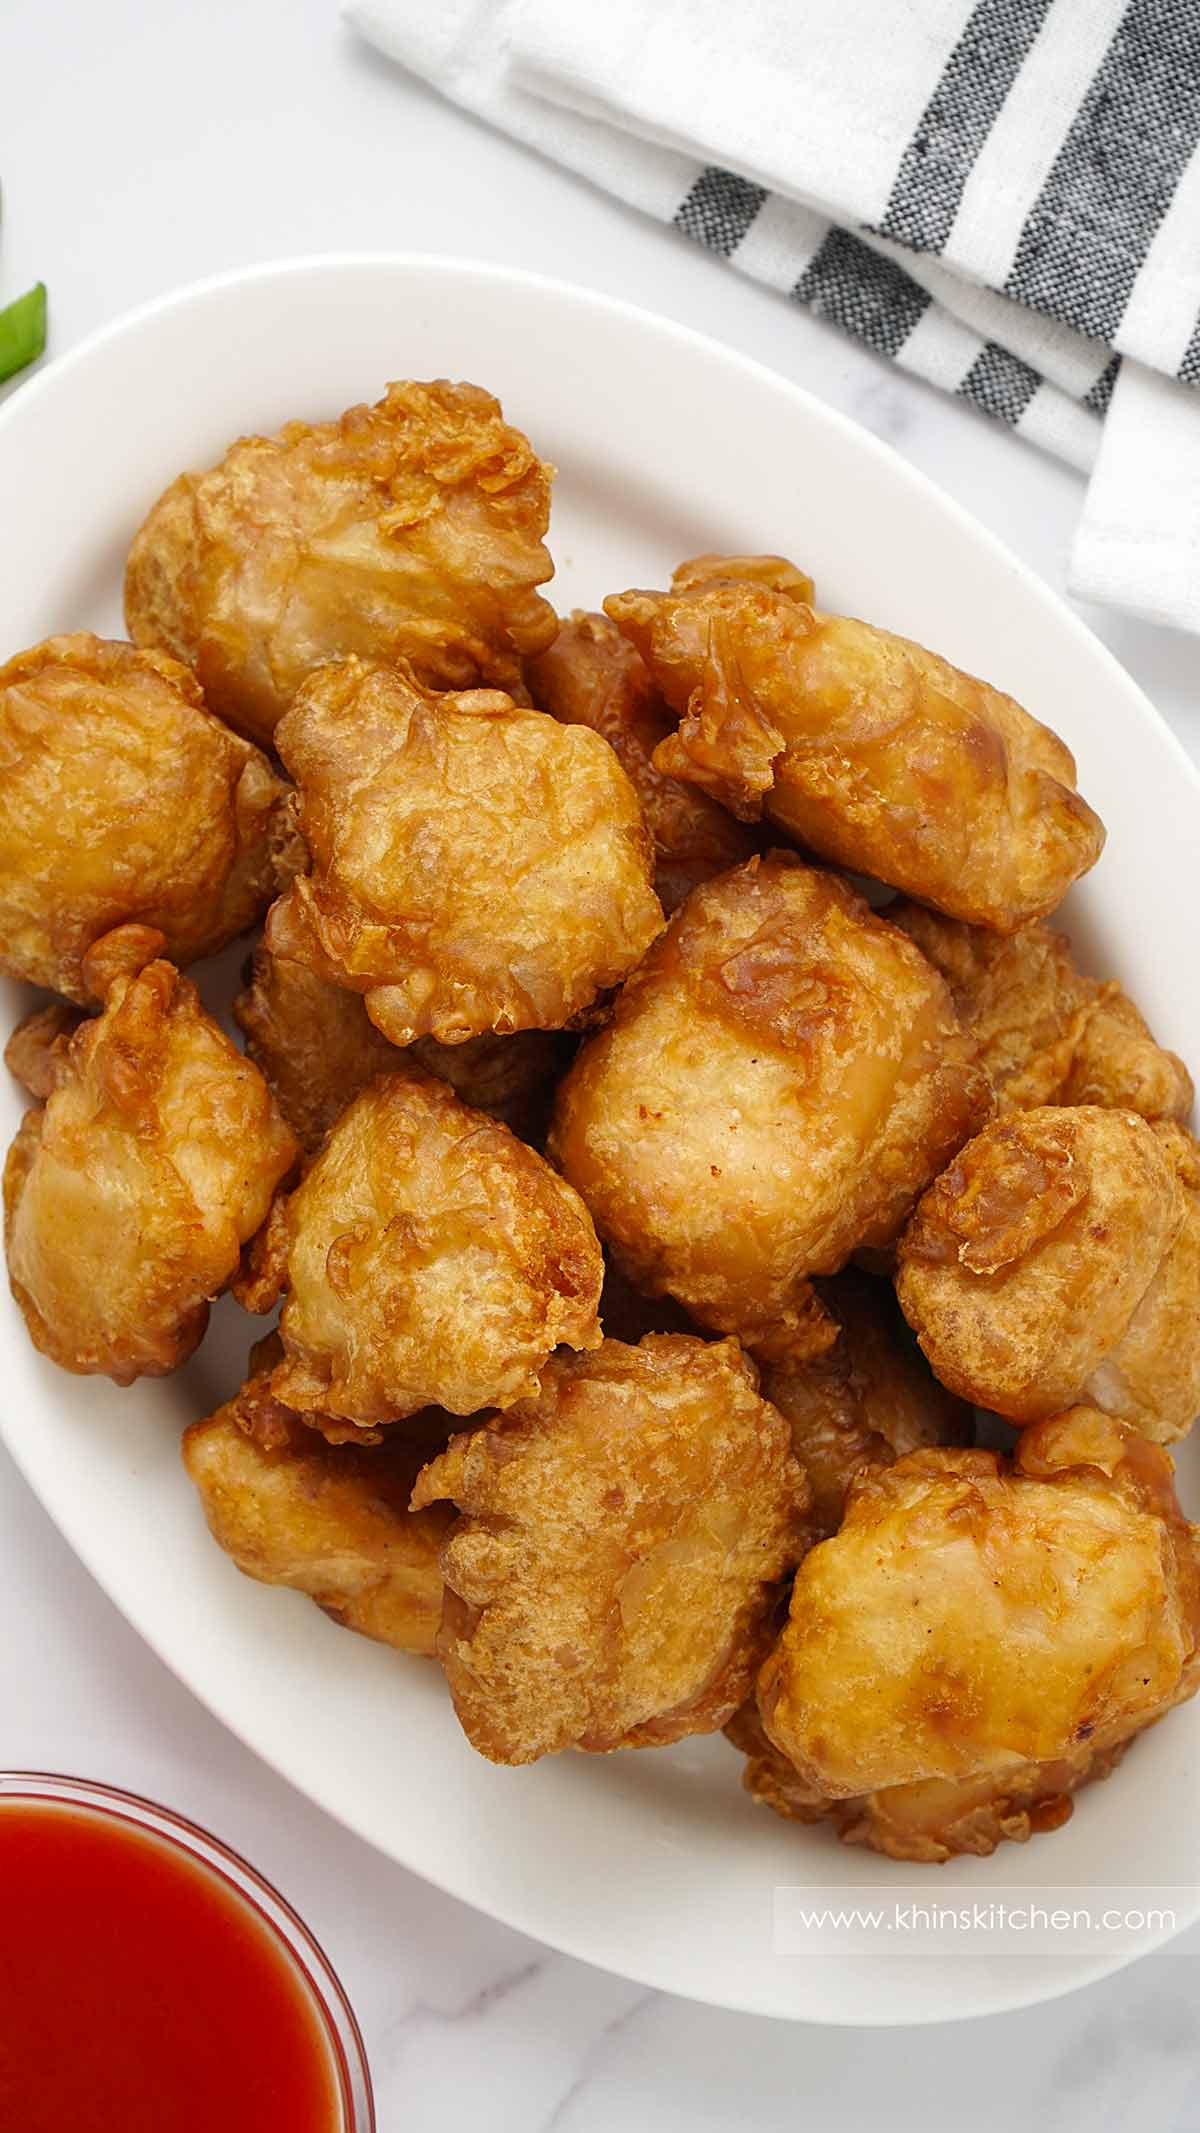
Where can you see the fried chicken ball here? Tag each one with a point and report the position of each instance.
(291, 1510)
(865, 1402)
(412, 529)
(1046, 1033)
(1152, 1378)
(1057, 1260)
(870, 750)
(128, 1197)
(430, 1258)
(475, 866)
(592, 676)
(614, 1577)
(123, 802)
(992, 1629)
(780, 1079)
(937, 1819)
(318, 1049)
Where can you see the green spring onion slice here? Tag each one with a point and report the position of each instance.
(22, 331)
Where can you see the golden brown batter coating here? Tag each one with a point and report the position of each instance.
(869, 749)
(318, 1049)
(334, 1523)
(592, 676)
(1046, 1033)
(1152, 1378)
(128, 1197)
(1056, 1260)
(974, 1617)
(315, 1045)
(33, 1051)
(122, 801)
(614, 1577)
(431, 1259)
(867, 1401)
(475, 866)
(771, 570)
(412, 529)
(780, 1079)
(937, 1819)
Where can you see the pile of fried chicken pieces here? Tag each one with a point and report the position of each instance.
(652, 1214)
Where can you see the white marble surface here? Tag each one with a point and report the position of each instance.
(147, 142)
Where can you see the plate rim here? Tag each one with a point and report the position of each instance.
(26, 392)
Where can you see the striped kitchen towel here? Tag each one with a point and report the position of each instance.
(1003, 197)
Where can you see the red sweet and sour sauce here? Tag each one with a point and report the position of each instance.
(140, 1993)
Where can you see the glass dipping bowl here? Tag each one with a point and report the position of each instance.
(296, 1951)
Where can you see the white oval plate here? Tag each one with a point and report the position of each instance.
(653, 1865)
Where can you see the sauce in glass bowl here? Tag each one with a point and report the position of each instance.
(151, 1980)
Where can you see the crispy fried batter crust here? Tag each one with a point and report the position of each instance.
(613, 1579)
(475, 866)
(1046, 1033)
(38, 1045)
(1152, 1378)
(871, 750)
(318, 1048)
(412, 529)
(122, 800)
(939, 1819)
(1057, 1259)
(128, 1198)
(591, 676)
(771, 570)
(291, 1510)
(780, 1079)
(975, 1617)
(432, 1258)
(867, 1401)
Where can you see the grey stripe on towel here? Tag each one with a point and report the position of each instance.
(1114, 177)
(957, 120)
(719, 209)
(862, 292)
(1000, 383)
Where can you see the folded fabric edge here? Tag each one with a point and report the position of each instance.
(1149, 579)
(1137, 545)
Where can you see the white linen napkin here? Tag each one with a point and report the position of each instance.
(1003, 197)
